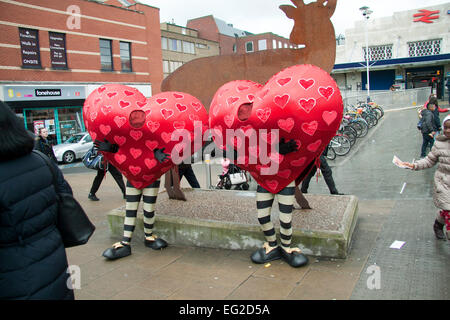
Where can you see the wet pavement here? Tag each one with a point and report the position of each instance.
(394, 204)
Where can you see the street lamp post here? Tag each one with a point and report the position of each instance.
(366, 14)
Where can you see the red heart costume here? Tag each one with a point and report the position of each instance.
(123, 116)
(302, 103)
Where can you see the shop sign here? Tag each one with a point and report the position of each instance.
(47, 92)
(29, 46)
(31, 93)
(58, 55)
(426, 16)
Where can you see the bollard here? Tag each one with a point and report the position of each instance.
(208, 171)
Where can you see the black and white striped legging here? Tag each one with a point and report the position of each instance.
(133, 197)
(264, 201)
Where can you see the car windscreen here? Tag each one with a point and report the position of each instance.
(75, 139)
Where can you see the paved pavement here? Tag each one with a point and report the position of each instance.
(394, 204)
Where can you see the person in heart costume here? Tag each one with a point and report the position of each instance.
(143, 138)
(277, 132)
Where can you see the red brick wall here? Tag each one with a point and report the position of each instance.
(206, 26)
(82, 67)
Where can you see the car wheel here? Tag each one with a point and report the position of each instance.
(68, 157)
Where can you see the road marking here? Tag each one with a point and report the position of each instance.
(403, 188)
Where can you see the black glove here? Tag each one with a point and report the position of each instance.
(287, 147)
(160, 155)
(106, 146)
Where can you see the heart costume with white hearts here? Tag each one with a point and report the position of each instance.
(301, 103)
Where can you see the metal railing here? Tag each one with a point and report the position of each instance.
(389, 99)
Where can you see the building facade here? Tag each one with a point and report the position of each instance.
(235, 41)
(410, 49)
(54, 53)
(180, 45)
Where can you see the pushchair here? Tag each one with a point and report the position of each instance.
(234, 177)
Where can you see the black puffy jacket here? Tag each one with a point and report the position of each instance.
(33, 262)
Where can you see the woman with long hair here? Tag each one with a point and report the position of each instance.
(33, 262)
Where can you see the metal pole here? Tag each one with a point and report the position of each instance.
(367, 59)
(208, 171)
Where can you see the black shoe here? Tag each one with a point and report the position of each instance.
(294, 259)
(437, 227)
(260, 255)
(156, 244)
(93, 197)
(117, 252)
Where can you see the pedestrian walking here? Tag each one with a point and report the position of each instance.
(43, 145)
(326, 172)
(185, 170)
(99, 178)
(428, 128)
(440, 155)
(33, 262)
(447, 84)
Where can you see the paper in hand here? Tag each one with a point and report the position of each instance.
(399, 163)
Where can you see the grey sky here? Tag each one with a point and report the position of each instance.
(258, 16)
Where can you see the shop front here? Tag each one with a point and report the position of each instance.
(57, 108)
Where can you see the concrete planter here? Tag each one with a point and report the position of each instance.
(228, 219)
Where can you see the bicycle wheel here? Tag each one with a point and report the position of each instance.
(331, 154)
(360, 127)
(380, 112)
(350, 133)
(341, 145)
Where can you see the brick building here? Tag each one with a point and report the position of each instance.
(232, 40)
(180, 45)
(54, 53)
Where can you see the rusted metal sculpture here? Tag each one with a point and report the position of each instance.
(202, 77)
(312, 28)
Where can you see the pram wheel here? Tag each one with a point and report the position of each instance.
(227, 183)
(245, 186)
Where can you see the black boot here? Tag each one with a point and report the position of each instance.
(438, 230)
(93, 197)
(260, 255)
(294, 259)
(118, 250)
(156, 243)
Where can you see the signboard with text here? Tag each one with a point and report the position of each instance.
(30, 93)
(58, 55)
(29, 47)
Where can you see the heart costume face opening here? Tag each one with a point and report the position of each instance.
(137, 119)
(244, 111)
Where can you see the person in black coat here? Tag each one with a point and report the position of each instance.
(33, 262)
(428, 128)
(43, 145)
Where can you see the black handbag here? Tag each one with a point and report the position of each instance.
(73, 223)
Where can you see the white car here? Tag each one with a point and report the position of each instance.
(73, 148)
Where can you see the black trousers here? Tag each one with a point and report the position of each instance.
(427, 141)
(186, 171)
(327, 175)
(101, 174)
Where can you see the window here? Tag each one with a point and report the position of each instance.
(234, 47)
(106, 55)
(125, 56)
(57, 43)
(274, 44)
(249, 46)
(29, 47)
(285, 45)
(201, 46)
(188, 47)
(163, 43)
(262, 44)
(280, 45)
(379, 53)
(424, 48)
(165, 66)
